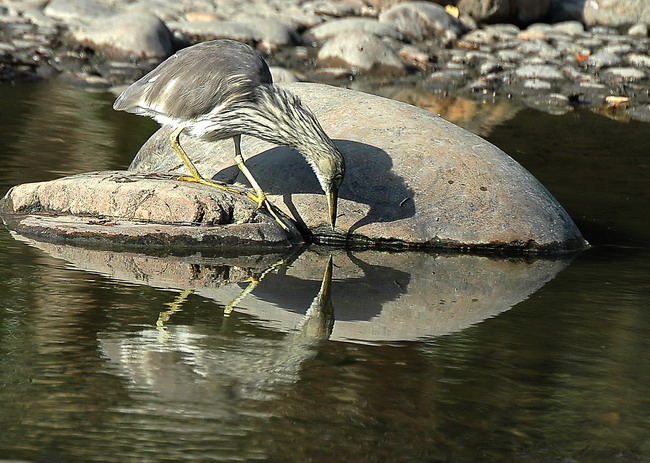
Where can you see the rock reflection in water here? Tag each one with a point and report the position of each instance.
(374, 297)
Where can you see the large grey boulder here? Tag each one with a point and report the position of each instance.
(361, 52)
(413, 179)
(616, 12)
(74, 11)
(329, 29)
(495, 11)
(613, 13)
(141, 35)
(270, 33)
(422, 20)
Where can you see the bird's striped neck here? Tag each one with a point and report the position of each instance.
(281, 118)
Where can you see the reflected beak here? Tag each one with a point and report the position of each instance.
(332, 201)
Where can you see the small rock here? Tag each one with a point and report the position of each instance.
(414, 56)
(552, 103)
(166, 11)
(334, 73)
(361, 51)
(638, 60)
(510, 56)
(283, 75)
(625, 74)
(420, 20)
(640, 113)
(539, 48)
(323, 7)
(603, 59)
(489, 67)
(616, 13)
(617, 48)
(334, 27)
(77, 10)
(589, 42)
(506, 11)
(500, 31)
(532, 34)
(447, 78)
(638, 30)
(211, 30)
(539, 72)
(39, 19)
(569, 27)
(198, 16)
(537, 84)
(270, 33)
(139, 35)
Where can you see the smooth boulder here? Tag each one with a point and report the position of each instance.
(413, 179)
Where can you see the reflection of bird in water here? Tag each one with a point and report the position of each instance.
(283, 363)
(301, 344)
(318, 322)
(223, 89)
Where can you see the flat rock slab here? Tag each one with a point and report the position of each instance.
(413, 179)
(106, 208)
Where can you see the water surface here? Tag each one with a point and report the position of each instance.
(406, 357)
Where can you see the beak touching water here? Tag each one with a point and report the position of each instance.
(332, 202)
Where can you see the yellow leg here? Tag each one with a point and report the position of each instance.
(196, 176)
(174, 306)
(261, 199)
(253, 282)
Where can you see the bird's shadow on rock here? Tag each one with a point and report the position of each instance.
(369, 181)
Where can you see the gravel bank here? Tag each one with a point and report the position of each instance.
(553, 67)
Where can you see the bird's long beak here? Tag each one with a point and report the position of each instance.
(332, 203)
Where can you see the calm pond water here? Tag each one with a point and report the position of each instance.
(400, 357)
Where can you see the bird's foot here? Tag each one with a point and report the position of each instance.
(259, 199)
(219, 186)
(262, 201)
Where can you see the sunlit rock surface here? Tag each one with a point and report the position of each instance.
(124, 208)
(413, 179)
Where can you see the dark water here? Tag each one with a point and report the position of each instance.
(429, 358)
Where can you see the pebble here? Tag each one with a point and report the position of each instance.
(638, 60)
(625, 74)
(638, 30)
(539, 72)
(603, 59)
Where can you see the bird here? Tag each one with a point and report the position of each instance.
(223, 89)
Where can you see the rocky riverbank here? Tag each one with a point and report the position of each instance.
(587, 58)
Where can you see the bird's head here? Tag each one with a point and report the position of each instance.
(329, 167)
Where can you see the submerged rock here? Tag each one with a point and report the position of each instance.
(413, 179)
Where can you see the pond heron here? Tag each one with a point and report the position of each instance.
(223, 89)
